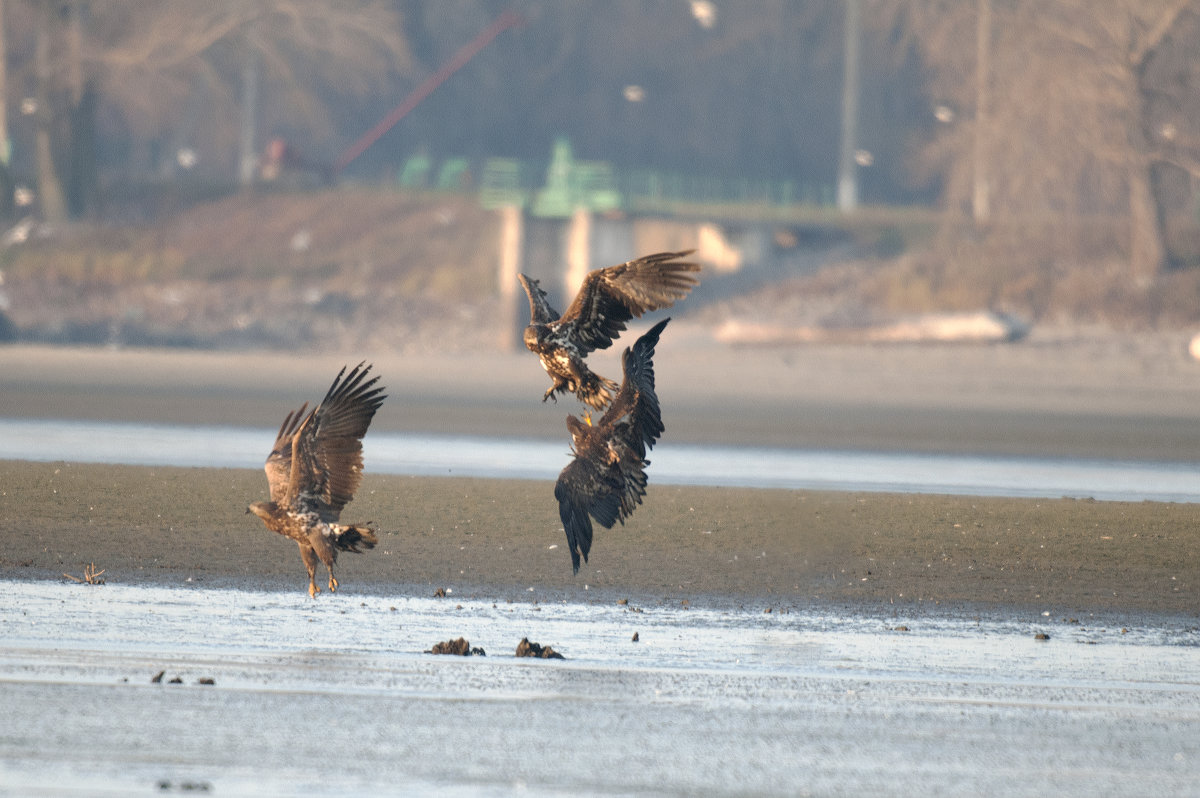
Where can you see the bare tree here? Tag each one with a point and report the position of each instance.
(1057, 124)
(981, 202)
(149, 60)
(1107, 47)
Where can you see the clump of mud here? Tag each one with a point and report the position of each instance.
(459, 647)
(158, 679)
(528, 649)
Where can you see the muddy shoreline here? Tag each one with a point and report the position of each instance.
(1063, 393)
(1058, 393)
(768, 549)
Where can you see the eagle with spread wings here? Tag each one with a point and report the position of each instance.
(607, 478)
(608, 298)
(314, 469)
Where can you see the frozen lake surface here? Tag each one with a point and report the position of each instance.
(335, 697)
(446, 455)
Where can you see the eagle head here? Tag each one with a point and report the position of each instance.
(534, 334)
(579, 430)
(263, 510)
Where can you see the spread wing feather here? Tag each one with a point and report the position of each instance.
(607, 480)
(636, 401)
(611, 296)
(606, 492)
(279, 462)
(316, 463)
(576, 491)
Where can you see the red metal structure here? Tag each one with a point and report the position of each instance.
(505, 21)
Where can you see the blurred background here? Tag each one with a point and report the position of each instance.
(370, 174)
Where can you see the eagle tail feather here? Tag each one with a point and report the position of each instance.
(576, 524)
(596, 391)
(351, 536)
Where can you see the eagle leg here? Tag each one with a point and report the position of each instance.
(549, 394)
(310, 562)
(333, 582)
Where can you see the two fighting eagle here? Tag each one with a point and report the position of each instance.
(606, 479)
(316, 463)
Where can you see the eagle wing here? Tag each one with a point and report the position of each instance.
(634, 415)
(590, 488)
(279, 461)
(540, 311)
(611, 296)
(607, 478)
(321, 453)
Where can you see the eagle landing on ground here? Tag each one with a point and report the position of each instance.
(607, 478)
(607, 299)
(314, 469)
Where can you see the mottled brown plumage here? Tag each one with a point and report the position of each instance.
(607, 478)
(608, 298)
(314, 469)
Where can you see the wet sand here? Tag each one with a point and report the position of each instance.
(1058, 393)
(496, 539)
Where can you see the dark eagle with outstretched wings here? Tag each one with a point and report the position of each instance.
(607, 299)
(314, 469)
(607, 478)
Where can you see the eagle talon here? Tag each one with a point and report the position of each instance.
(333, 584)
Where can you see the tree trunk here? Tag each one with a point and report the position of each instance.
(981, 210)
(50, 191)
(5, 150)
(847, 187)
(83, 182)
(1147, 252)
(6, 180)
(1147, 232)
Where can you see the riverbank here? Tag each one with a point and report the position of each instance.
(1069, 393)
(772, 549)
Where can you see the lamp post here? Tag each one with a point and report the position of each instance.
(847, 185)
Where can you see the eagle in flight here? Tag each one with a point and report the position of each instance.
(314, 469)
(607, 299)
(607, 478)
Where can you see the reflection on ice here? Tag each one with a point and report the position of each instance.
(433, 455)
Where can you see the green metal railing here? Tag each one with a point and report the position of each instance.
(565, 184)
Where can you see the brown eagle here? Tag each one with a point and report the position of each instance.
(607, 478)
(607, 299)
(314, 469)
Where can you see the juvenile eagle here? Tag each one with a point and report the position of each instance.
(314, 469)
(607, 478)
(607, 299)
